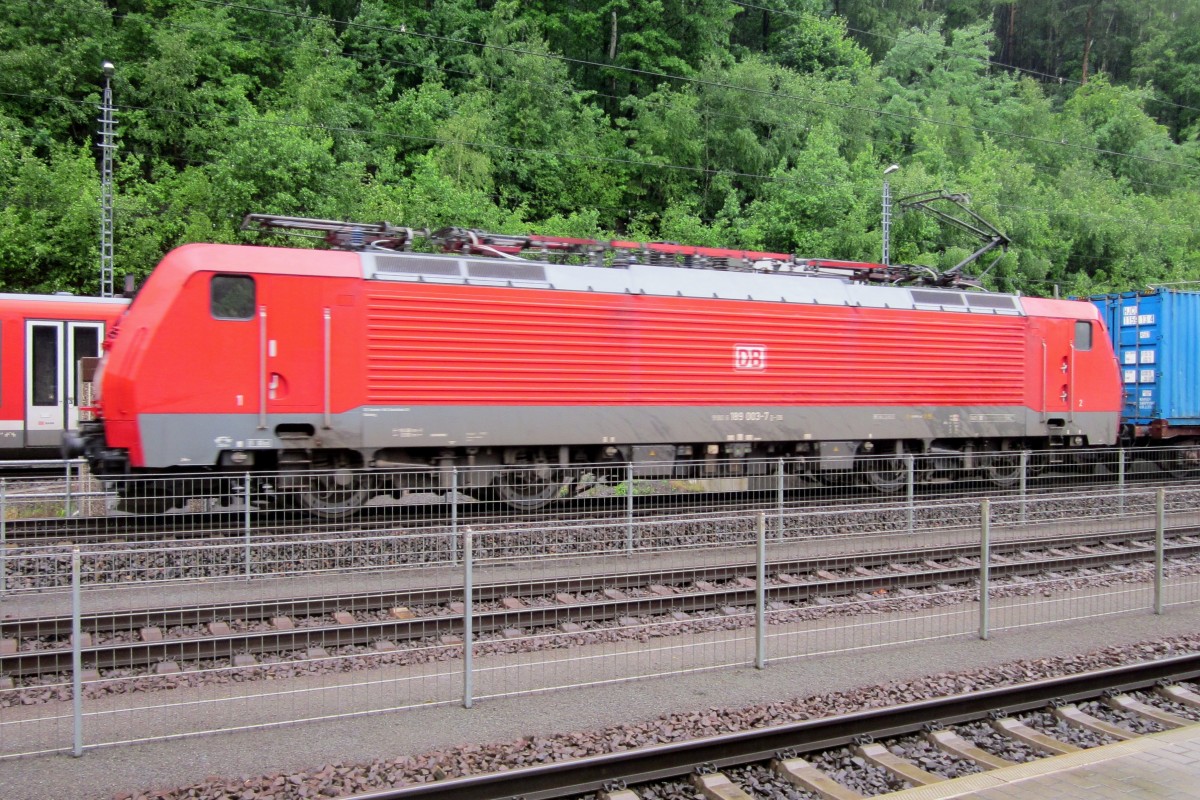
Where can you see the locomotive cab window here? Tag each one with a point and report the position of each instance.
(232, 297)
(1083, 335)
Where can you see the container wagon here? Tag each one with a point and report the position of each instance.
(1156, 338)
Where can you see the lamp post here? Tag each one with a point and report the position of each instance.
(887, 214)
(106, 181)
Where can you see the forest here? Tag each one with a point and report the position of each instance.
(1071, 125)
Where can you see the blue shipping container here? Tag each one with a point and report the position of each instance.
(1156, 336)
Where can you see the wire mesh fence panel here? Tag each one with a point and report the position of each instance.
(175, 659)
(1182, 585)
(1055, 599)
(868, 624)
(1146, 560)
(1178, 571)
(35, 727)
(517, 662)
(635, 601)
(171, 699)
(843, 602)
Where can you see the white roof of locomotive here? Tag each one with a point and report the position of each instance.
(666, 281)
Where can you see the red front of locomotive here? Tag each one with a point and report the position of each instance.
(1071, 368)
(219, 338)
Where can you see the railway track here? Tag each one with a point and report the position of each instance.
(239, 632)
(1102, 706)
(430, 509)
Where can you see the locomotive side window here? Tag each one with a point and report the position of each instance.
(1083, 335)
(232, 297)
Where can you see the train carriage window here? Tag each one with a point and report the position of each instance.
(85, 342)
(1083, 335)
(232, 297)
(45, 365)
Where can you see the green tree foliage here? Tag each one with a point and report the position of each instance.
(755, 125)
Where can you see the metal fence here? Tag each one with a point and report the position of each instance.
(383, 519)
(633, 582)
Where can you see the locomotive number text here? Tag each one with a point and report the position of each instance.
(748, 416)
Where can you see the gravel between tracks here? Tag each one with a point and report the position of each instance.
(377, 751)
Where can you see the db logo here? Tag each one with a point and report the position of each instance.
(750, 356)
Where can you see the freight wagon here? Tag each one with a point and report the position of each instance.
(1155, 335)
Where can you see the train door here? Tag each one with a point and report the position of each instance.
(52, 381)
(1058, 369)
(296, 359)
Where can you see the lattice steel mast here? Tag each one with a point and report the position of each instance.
(106, 184)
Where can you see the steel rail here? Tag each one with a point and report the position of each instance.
(231, 521)
(225, 646)
(107, 622)
(660, 762)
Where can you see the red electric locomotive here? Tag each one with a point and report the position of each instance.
(235, 358)
(42, 339)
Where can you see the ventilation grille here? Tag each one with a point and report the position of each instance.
(416, 265)
(506, 271)
(937, 298)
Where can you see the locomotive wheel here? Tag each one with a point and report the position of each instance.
(144, 505)
(1183, 462)
(530, 481)
(148, 499)
(1002, 470)
(526, 489)
(334, 495)
(885, 475)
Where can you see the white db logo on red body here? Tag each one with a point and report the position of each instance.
(750, 356)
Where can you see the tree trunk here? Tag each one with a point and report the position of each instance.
(1008, 41)
(612, 53)
(1087, 42)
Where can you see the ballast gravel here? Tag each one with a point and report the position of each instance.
(276, 666)
(312, 551)
(1052, 726)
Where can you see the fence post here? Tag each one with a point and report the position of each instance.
(910, 510)
(779, 502)
(1121, 480)
(3, 536)
(76, 659)
(468, 626)
(1160, 524)
(629, 509)
(453, 515)
(985, 537)
(760, 596)
(1024, 482)
(67, 494)
(246, 521)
